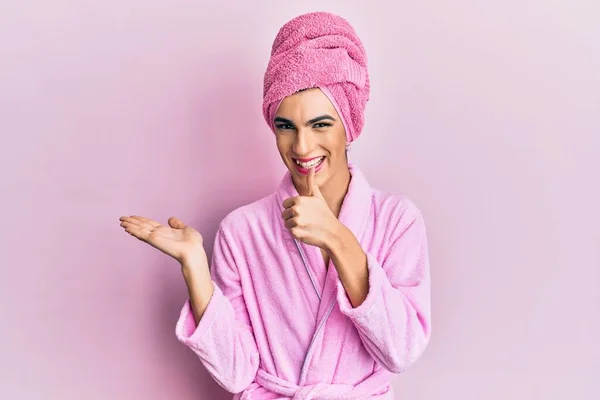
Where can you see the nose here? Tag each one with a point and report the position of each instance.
(304, 142)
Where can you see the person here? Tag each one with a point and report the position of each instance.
(320, 290)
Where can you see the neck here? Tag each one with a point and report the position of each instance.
(335, 190)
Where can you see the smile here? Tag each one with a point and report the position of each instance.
(304, 165)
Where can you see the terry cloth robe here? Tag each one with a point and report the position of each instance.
(280, 325)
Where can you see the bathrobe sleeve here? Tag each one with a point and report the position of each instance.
(223, 340)
(394, 319)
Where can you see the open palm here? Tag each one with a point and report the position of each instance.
(175, 239)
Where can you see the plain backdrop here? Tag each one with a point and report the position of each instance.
(486, 114)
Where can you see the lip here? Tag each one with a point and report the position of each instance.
(306, 159)
(304, 171)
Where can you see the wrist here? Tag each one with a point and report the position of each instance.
(194, 259)
(195, 268)
(336, 239)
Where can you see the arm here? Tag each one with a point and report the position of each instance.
(351, 264)
(388, 302)
(222, 338)
(200, 286)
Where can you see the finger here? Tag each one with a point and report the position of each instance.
(145, 220)
(144, 223)
(136, 230)
(291, 212)
(313, 188)
(176, 223)
(289, 202)
(290, 223)
(288, 213)
(310, 181)
(138, 219)
(297, 232)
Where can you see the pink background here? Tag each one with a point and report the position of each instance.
(487, 116)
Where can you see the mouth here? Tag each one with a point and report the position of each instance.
(303, 165)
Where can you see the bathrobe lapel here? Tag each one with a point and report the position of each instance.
(311, 273)
(354, 215)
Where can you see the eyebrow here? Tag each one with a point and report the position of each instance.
(309, 122)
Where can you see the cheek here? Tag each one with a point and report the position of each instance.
(340, 142)
(337, 146)
(283, 146)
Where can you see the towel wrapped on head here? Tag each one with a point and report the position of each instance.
(319, 50)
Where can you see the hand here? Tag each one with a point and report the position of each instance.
(177, 240)
(309, 218)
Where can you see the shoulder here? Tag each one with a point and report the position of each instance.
(391, 211)
(244, 218)
(398, 210)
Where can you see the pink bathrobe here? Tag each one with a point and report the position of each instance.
(280, 324)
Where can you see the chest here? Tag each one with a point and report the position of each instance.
(325, 259)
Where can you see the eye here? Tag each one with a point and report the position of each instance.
(319, 125)
(284, 126)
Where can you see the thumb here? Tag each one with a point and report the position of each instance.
(176, 223)
(313, 188)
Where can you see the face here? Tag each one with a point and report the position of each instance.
(309, 134)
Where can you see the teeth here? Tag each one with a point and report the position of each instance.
(311, 163)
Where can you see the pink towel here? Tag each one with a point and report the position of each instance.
(321, 50)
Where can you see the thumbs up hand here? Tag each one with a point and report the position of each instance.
(309, 218)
